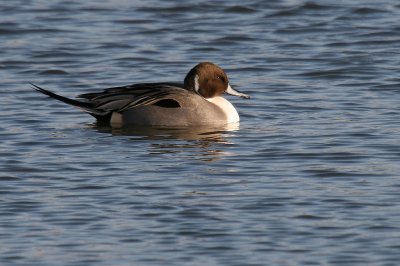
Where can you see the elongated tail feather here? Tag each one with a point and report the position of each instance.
(85, 106)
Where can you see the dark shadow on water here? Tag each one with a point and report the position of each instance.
(206, 133)
(205, 143)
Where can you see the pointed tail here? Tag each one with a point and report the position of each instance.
(85, 106)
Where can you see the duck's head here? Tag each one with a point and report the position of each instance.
(209, 80)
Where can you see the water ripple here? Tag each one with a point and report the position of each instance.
(309, 176)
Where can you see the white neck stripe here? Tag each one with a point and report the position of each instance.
(196, 83)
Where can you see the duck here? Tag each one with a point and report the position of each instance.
(196, 102)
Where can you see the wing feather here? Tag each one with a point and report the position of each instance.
(118, 99)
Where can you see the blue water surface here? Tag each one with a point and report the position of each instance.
(310, 176)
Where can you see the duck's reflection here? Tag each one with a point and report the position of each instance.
(206, 143)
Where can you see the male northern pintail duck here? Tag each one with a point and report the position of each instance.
(196, 102)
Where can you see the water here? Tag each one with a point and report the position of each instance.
(309, 177)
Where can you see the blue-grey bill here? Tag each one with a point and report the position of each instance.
(234, 92)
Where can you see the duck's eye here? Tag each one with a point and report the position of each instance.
(221, 78)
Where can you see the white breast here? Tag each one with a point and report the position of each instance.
(230, 111)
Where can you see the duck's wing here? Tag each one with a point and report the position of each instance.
(133, 89)
(117, 99)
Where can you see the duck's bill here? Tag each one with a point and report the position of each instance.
(234, 92)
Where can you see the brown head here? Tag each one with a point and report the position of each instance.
(209, 80)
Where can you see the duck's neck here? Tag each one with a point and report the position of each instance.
(230, 111)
